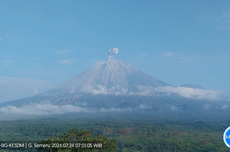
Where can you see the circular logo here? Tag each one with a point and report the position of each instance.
(226, 137)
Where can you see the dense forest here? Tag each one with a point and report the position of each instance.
(131, 135)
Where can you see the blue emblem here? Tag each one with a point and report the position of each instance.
(226, 137)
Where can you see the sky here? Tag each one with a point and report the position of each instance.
(45, 43)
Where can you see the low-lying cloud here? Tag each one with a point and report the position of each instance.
(191, 92)
(41, 109)
(151, 91)
(173, 108)
(144, 106)
(50, 109)
(116, 90)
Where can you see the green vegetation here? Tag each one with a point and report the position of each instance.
(131, 135)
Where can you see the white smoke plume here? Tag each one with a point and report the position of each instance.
(112, 52)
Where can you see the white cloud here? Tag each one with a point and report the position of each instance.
(143, 91)
(116, 90)
(224, 107)
(62, 51)
(226, 15)
(66, 61)
(142, 54)
(150, 91)
(49, 109)
(168, 54)
(35, 91)
(206, 107)
(224, 21)
(6, 63)
(40, 71)
(173, 108)
(101, 90)
(144, 106)
(114, 109)
(190, 92)
(41, 109)
(12, 88)
(180, 57)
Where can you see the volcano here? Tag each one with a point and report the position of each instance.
(116, 84)
(112, 77)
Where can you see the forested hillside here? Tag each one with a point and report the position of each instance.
(131, 135)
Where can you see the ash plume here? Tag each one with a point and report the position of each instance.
(111, 53)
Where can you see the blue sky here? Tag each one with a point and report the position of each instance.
(45, 43)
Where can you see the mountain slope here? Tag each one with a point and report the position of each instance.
(117, 86)
(108, 77)
(104, 78)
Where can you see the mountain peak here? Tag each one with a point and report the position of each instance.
(113, 75)
(120, 68)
